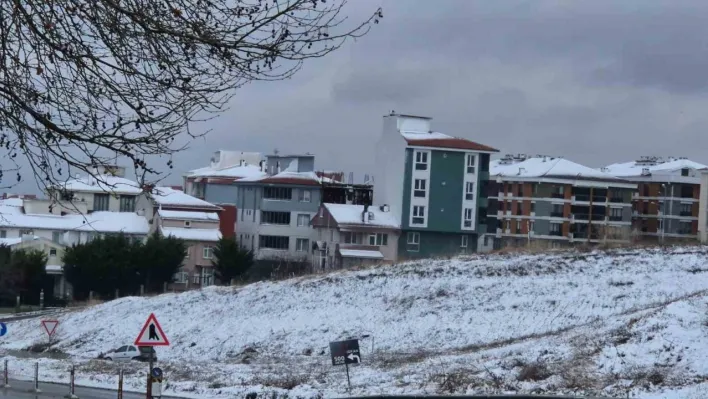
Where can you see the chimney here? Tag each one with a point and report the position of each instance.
(364, 214)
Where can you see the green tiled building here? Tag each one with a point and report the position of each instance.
(434, 184)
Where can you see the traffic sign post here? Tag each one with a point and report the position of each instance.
(50, 326)
(152, 335)
(345, 353)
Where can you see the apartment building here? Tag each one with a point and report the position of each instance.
(107, 191)
(27, 224)
(431, 182)
(555, 202)
(352, 235)
(195, 221)
(274, 200)
(666, 202)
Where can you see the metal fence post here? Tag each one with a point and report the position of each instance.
(120, 384)
(72, 384)
(36, 378)
(6, 376)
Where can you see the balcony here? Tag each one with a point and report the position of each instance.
(556, 233)
(599, 198)
(686, 213)
(597, 217)
(556, 214)
(581, 216)
(616, 200)
(615, 218)
(558, 195)
(581, 198)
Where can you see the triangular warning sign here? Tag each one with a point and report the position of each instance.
(152, 334)
(50, 326)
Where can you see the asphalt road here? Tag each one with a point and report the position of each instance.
(25, 390)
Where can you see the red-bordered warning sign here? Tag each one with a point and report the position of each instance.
(152, 334)
(50, 326)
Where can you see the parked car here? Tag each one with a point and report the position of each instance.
(130, 352)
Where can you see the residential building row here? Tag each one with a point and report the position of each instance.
(433, 195)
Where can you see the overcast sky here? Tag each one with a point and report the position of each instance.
(594, 81)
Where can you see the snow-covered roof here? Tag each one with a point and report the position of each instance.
(188, 215)
(539, 167)
(170, 196)
(10, 241)
(345, 214)
(104, 222)
(235, 172)
(634, 168)
(102, 183)
(441, 140)
(12, 202)
(54, 269)
(189, 234)
(360, 253)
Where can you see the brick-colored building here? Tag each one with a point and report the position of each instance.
(554, 201)
(666, 203)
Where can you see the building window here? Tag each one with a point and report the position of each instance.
(418, 214)
(187, 223)
(274, 242)
(518, 225)
(686, 210)
(469, 191)
(378, 239)
(470, 163)
(26, 232)
(100, 202)
(352, 238)
(555, 228)
(278, 193)
(301, 244)
(468, 217)
(207, 253)
(421, 160)
(531, 226)
(419, 188)
(57, 236)
(519, 208)
(181, 277)
(464, 241)
(685, 227)
(305, 195)
(207, 276)
(197, 278)
(615, 213)
(303, 219)
(413, 241)
(533, 207)
(127, 203)
(271, 217)
(53, 252)
(557, 211)
(3, 233)
(187, 252)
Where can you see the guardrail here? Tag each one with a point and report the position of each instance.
(23, 376)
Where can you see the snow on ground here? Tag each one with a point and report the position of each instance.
(630, 322)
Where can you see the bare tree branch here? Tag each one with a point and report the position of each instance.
(84, 82)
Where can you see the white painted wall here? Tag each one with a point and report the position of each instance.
(390, 164)
(703, 209)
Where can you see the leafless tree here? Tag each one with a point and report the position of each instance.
(84, 82)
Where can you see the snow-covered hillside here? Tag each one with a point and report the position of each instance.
(609, 322)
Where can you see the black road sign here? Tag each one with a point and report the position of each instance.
(345, 352)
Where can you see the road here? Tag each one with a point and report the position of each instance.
(25, 390)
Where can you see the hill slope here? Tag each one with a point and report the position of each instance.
(614, 322)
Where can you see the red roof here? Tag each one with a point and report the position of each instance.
(452, 142)
(289, 180)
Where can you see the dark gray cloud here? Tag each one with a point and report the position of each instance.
(595, 81)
